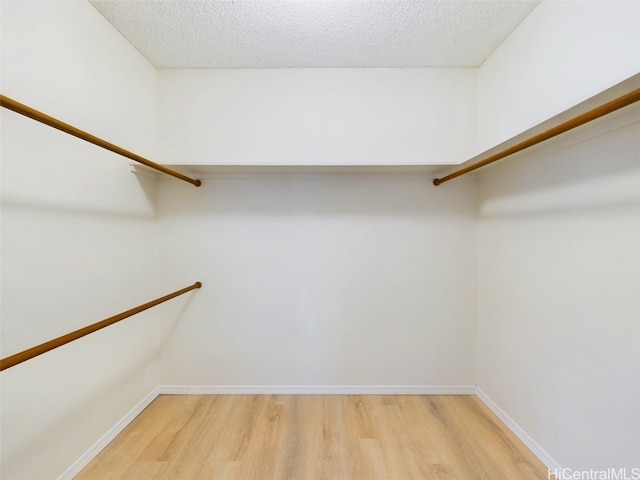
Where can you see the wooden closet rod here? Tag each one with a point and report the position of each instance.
(70, 337)
(586, 117)
(22, 109)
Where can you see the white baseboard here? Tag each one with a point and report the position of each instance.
(531, 444)
(97, 447)
(317, 389)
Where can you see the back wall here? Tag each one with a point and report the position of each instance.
(320, 278)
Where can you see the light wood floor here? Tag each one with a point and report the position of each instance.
(315, 437)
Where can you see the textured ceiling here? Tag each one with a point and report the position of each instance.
(314, 33)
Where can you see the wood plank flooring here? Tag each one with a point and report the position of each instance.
(315, 437)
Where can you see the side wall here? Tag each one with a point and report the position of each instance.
(558, 236)
(78, 234)
(324, 278)
(559, 293)
(561, 54)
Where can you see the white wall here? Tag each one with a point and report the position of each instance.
(320, 278)
(317, 116)
(558, 235)
(78, 234)
(561, 54)
(559, 293)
